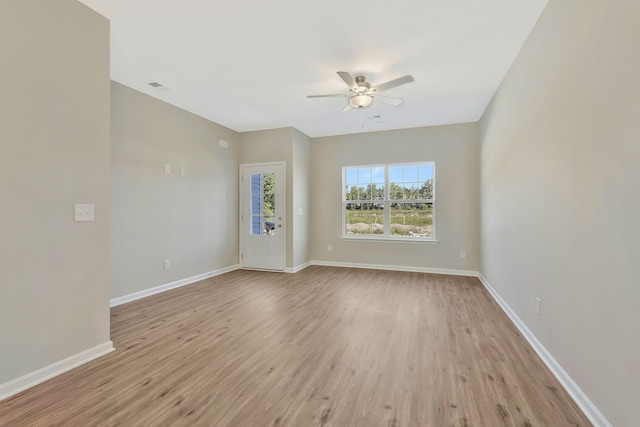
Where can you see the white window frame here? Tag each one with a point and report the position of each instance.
(386, 236)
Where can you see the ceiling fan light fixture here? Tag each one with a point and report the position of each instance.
(360, 101)
(361, 93)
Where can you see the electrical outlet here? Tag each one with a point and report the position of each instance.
(83, 212)
(182, 170)
(538, 306)
(329, 248)
(463, 254)
(167, 264)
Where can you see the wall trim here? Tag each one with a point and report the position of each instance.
(447, 271)
(584, 403)
(162, 288)
(298, 267)
(41, 375)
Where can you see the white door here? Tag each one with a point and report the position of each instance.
(262, 226)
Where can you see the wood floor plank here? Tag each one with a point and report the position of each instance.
(322, 347)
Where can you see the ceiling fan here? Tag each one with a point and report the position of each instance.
(361, 93)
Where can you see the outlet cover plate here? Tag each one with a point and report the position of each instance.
(83, 212)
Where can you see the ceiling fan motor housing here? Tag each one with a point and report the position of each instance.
(363, 84)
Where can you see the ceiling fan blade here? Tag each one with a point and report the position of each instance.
(347, 108)
(348, 79)
(326, 96)
(388, 100)
(393, 83)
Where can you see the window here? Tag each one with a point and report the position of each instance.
(262, 204)
(389, 201)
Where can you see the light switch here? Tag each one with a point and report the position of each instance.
(182, 170)
(300, 211)
(82, 212)
(167, 168)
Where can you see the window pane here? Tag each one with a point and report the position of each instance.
(372, 192)
(426, 189)
(364, 218)
(425, 172)
(395, 174)
(406, 182)
(268, 224)
(353, 192)
(364, 183)
(378, 192)
(262, 203)
(396, 192)
(396, 179)
(351, 176)
(412, 220)
(411, 190)
(268, 183)
(364, 176)
(369, 192)
(377, 175)
(269, 202)
(410, 173)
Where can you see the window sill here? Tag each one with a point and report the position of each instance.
(391, 240)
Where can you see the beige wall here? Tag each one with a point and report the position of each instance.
(273, 145)
(301, 197)
(190, 219)
(560, 179)
(454, 149)
(54, 152)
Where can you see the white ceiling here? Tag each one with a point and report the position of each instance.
(250, 64)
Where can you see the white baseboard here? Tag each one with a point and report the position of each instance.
(584, 403)
(397, 268)
(162, 288)
(31, 379)
(297, 268)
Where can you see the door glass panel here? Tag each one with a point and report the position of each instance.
(262, 204)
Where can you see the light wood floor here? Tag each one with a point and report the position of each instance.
(323, 347)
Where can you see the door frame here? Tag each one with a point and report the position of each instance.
(241, 206)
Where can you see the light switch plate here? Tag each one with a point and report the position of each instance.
(83, 212)
(167, 168)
